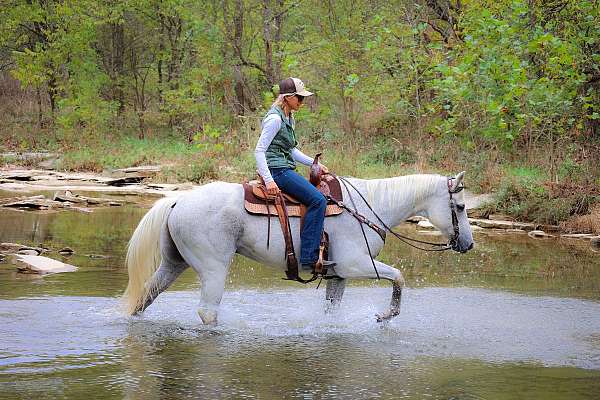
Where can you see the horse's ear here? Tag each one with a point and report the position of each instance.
(458, 180)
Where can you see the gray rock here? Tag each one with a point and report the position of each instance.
(537, 234)
(40, 265)
(595, 243)
(425, 224)
(10, 247)
(28, 252)
(97, 256)
(475, 201)
(66, 251)
(584, 236)
(415, 219)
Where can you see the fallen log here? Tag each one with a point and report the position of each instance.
(499, 224)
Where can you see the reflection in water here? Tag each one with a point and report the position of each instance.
(62, 335)
(506, 262)
(447, 342)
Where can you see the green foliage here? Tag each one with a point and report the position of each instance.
(524, 195)
(515, 77)
(208, 139)
(397, 84)
(197, 170)
(387, 152)
(519, 73)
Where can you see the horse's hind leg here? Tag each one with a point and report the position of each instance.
(213, 278)
(334, 292)
(164, 276)
(171, 266)
(211, 265)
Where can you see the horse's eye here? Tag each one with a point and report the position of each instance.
(460, 207)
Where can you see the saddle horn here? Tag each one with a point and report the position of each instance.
(316, 171)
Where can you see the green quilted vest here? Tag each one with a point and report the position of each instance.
(279, 152)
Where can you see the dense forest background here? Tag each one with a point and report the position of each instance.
(507, 89)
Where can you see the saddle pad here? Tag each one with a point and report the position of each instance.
(257, 206)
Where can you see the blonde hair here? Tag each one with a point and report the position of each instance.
(280, 99)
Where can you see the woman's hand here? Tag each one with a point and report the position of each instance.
(272, 188)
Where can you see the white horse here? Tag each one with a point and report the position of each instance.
(204, 228)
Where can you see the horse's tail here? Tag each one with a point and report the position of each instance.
(143, 253)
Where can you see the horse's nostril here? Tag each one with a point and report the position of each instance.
(470, 246)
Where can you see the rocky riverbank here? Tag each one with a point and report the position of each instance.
(38, 190)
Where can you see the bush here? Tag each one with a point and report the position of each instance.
(529, 199)
(199, 170)
(386, 151)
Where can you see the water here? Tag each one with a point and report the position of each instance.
(515, 318)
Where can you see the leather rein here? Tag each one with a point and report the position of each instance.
(452, 242)
(290, 256)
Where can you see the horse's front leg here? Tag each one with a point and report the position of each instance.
(334, 292)
(394, 303)
(364, 269)
(392, 274)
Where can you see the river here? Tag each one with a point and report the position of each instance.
(514, 318)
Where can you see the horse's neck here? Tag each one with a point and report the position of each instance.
(396, 199)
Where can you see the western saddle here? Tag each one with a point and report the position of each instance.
(258, 202)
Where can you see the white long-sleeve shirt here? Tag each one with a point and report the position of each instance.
(270, 127)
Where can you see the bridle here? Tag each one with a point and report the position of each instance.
(452, 240)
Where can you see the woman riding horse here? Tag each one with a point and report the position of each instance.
(276, 155)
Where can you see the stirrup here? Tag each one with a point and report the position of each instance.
(325, 264)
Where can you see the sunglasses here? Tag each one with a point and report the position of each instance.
(300, 98)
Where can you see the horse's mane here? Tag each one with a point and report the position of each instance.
(391, 191)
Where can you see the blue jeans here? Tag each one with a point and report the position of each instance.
(291, 182)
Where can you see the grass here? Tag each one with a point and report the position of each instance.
(125, 152)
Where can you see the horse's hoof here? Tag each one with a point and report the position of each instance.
(382, 318)
(208, 317)
(387, 316)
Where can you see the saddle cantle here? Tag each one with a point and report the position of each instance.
(257, 202)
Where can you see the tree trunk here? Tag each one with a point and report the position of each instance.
(279, 19)
(240, 99)
(38, 97)
(117, 64)
(273, 17)
(267, 39)
(52, 94)
(234, 29)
